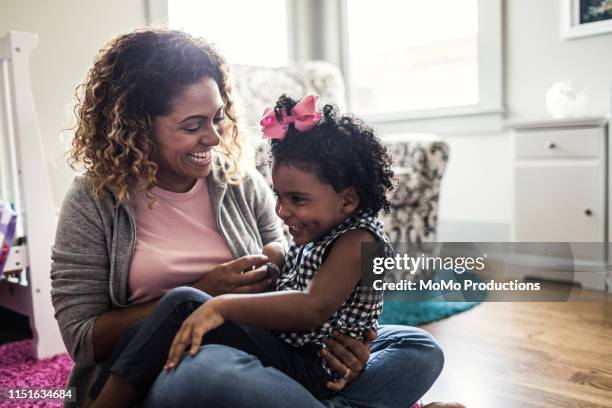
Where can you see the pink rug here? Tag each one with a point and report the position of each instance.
(19, 369)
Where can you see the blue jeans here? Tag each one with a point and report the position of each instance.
(140, 353)
(404, 363)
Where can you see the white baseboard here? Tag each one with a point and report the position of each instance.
(454, 230)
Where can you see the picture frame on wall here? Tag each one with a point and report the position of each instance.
(582, 18)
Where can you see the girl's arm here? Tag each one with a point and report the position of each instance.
(285, 310)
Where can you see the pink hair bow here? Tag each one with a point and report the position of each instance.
(303, 116)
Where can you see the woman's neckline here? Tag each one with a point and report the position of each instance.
(174, 196)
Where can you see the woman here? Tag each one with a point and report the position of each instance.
(165, 201)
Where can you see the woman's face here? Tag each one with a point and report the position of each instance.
(185, 136)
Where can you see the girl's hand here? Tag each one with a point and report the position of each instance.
(200, 322)
(344, 353)
(236, 276)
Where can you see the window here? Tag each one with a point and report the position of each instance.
(412, 58)
(403, 60)
(248, 32)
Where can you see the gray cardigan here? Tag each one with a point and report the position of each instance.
(95, 242)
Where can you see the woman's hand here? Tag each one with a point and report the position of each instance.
(204, 319)
(347, 357)
(237, 276)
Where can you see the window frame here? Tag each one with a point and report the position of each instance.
(319, 30)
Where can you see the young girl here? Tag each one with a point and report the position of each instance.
(331, 176)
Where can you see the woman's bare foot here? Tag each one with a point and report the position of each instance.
(444, 405)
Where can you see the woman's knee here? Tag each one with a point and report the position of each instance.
(222, 366)
(177, 296)
(434, 352)
(220, 371)
(415, 343)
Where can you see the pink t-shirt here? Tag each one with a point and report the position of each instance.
(177, 242)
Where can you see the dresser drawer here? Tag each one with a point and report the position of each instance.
(560, 143)
(559, 202)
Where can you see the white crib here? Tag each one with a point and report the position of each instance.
(24, 181)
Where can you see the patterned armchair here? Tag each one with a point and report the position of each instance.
(419, 164)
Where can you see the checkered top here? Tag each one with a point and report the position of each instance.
(359, 313)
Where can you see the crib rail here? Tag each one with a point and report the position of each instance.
(17, 260)
(25, 183)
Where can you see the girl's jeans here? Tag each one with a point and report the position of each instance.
(404, 363)
(143, 348)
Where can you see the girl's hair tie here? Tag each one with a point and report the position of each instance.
(303, 116)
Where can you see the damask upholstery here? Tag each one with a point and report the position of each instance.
(419, 164)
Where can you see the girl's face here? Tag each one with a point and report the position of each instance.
(309, 207)
(185, 137)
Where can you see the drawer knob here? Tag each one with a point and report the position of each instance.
(552, 145)
(588, 212)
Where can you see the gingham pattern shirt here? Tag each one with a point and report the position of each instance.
(360, 312)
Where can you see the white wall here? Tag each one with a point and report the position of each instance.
(476, 197)
(70, 33)
(536, 57)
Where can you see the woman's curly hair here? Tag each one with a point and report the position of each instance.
(135, 78)
(342, 151)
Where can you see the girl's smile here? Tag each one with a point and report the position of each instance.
(307, 205)
(295, 228)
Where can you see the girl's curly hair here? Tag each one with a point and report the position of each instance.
(342, 151)
(135, 78)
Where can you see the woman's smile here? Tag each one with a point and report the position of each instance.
(200, 159)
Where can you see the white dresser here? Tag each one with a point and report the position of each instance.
(561, 188)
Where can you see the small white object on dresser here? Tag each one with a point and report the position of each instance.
(561, 191)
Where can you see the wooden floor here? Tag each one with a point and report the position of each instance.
(506, 355)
